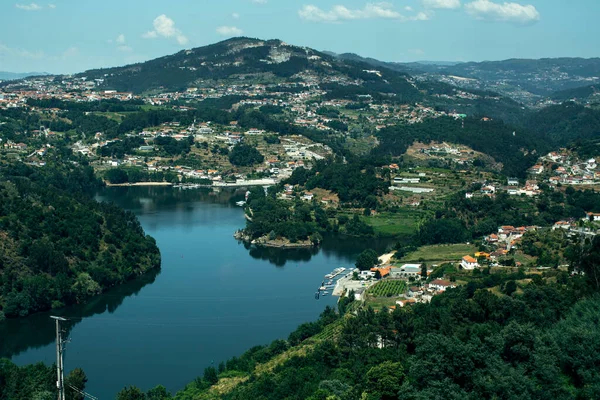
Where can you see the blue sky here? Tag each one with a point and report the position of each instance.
(63, 36)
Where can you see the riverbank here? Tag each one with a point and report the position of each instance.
(139, 184)
(280, 243)
(386, 258)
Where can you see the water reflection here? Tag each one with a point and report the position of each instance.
(279, 257)
(149, 199)
(38, 330)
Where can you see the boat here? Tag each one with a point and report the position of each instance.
(322, 288)
(240, 203)
(324, 293)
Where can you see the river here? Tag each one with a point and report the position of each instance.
(214, 297)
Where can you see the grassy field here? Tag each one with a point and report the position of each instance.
(403, 222)
(445, 252)
(381, 302)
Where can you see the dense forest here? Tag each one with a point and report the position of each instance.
(516, 149)
(275, 218)
(566, 123)
(354, 181)
(59, 246)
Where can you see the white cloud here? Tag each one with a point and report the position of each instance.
(418, 52)
(52, 6)
(29, 7)
(408, 8)
(447, 4)
(259, 1)
(235, 16)
(507, 12)
(165, 27)
(229, 31)
(120, 39)
(124, 49)
(340, 13)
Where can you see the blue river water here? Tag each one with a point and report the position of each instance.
(214, 297)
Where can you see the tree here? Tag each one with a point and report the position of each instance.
(590, 262)
(131, 393)
(158, 393)
(116, 176)
(210, 375)
(367, 260)
(77, 379)
(510, 287)
(385, 380)
(243, 155)
(423, 271)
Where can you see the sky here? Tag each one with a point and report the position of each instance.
(68, 36)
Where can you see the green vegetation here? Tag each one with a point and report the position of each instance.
(355, 182)
(37, 382)
(387, 288)
(492, 137)
(274, 218)
(400, 223)
(444, 252)
(59, 246)
(462, 219)
(244, 155)
(566, 123)
(133, 175)
(367, 260)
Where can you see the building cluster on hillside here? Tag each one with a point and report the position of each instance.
(513, 188)
(566, 168)
(424, 293)
(507, 238)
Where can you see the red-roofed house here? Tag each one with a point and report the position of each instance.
(469, 262)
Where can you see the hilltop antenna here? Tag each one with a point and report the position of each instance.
(60, 382)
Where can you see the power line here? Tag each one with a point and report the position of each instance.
(89, 396)
(60, 368)
(60, 382)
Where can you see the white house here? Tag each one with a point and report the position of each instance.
(469, 263)
(594, 216)
(441, 285)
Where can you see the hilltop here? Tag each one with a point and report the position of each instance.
(523, 80)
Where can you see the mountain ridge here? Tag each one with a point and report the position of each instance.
(9, 76)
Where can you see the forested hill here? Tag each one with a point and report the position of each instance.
(566, 123)
(58, 246)
(515, 148)
(589, 93)
(244, 60)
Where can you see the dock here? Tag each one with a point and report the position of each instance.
(346, 284)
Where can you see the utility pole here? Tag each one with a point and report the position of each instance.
(60, 382)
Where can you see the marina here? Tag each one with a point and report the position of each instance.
(335, 273)
(330, 286)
